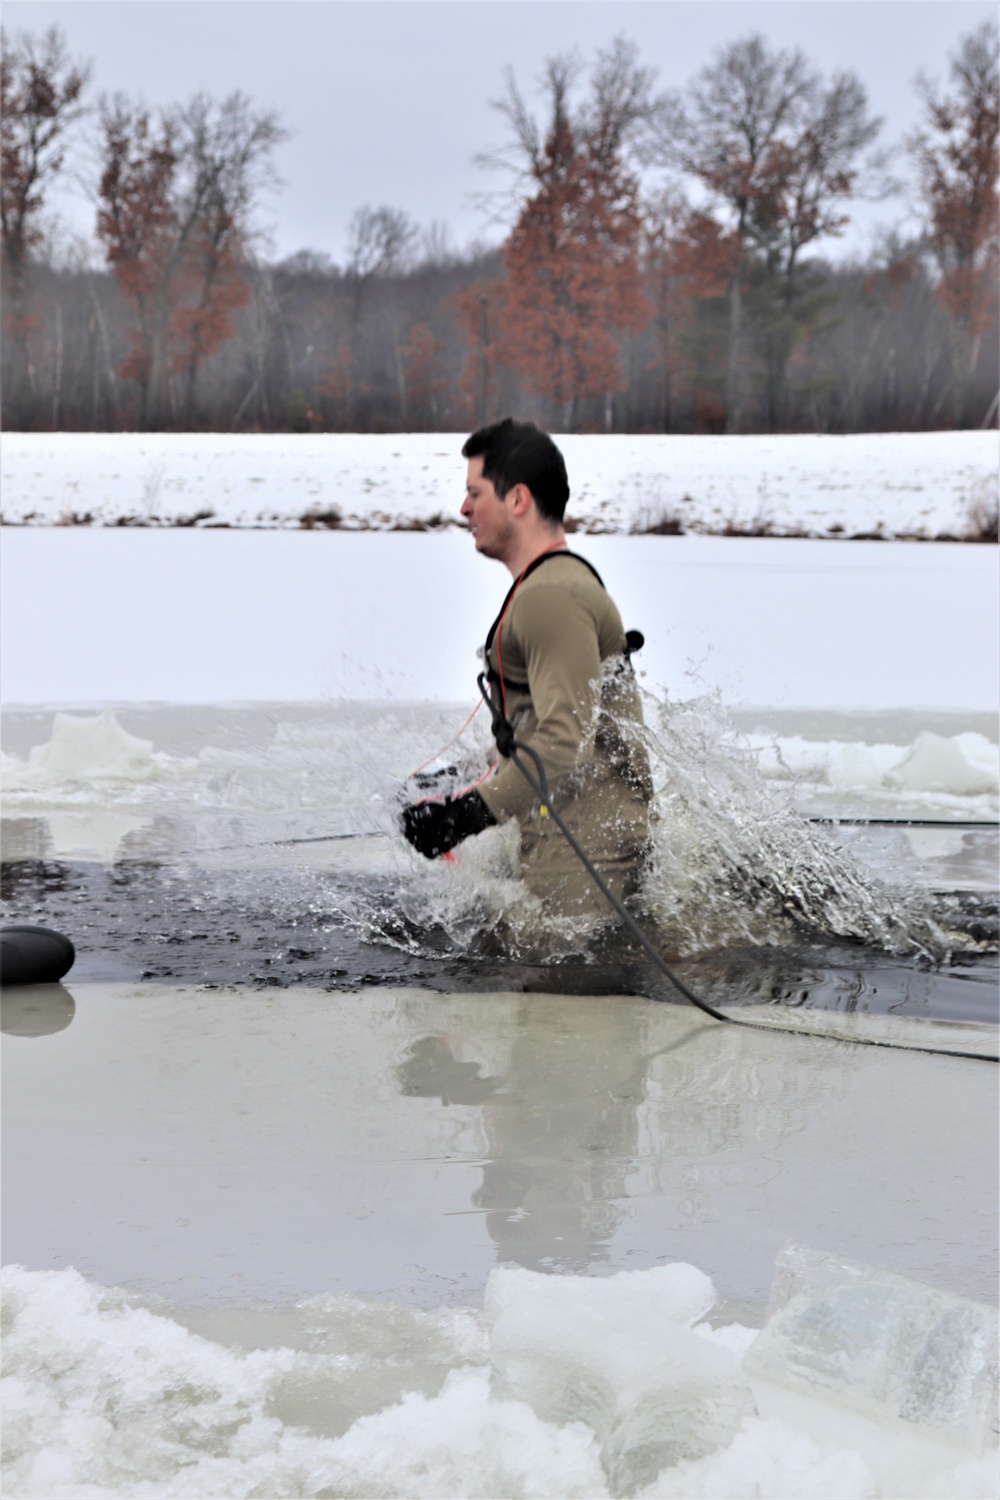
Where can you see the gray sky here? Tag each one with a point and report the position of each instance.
(388, 101)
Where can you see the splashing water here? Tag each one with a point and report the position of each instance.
(733, 861)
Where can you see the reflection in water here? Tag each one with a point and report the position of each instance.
(400, 1143)
(592, 1118)
(25, 838)
(553, 1169)
(431, 1071)
(35, 1009)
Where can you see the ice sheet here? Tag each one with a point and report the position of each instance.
(621, 1354)
(857, 1355)
(397, 1142)
(99, 616)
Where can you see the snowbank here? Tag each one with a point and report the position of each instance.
(890, 484)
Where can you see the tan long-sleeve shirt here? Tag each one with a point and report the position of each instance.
(560, 630)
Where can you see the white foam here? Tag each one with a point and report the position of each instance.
(102, 1397)
(770, 1459)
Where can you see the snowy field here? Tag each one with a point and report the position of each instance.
(888, 484)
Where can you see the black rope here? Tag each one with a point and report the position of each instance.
(504, 736)
(902, 822)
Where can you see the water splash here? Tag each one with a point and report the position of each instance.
(731, 862)
(734, 862)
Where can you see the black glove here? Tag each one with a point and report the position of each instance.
(435, 827)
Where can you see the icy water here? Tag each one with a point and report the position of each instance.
(259, 845)
(300, 1104)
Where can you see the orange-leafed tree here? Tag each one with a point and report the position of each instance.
(136, 222)
(573, 286)
(175, 204)
(957, 157)
(687, 264)
(41, 97)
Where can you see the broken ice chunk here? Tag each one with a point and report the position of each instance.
(872, 1360)
(618, 1353)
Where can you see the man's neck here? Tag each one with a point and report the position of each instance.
(532, 544)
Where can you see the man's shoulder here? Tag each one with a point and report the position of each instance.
(564, 587)
(562, 570)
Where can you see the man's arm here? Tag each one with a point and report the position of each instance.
(557, 635)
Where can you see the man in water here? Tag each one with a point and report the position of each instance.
(558, 669)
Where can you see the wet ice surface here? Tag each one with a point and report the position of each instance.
(320, 1186)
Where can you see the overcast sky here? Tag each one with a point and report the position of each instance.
(388, 101)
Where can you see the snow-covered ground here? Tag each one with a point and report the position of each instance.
(890, 484)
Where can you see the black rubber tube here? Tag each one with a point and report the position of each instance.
(34, 955)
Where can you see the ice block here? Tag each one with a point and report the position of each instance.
(865, 1358)
(618, 1353)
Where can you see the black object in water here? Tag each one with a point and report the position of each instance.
(34, 955)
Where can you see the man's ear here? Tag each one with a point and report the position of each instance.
(521, 499)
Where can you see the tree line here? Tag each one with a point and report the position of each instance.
(660, 272)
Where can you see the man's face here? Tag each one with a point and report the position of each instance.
(489, 517)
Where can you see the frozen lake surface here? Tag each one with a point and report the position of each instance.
(181, 616)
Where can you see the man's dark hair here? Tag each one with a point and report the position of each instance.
(520, 453)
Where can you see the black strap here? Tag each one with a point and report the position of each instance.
(520, 579)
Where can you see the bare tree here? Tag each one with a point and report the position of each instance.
(778, 150)
(616, 116)
(612, 121)
(380, 241)
(381, 245)
(175, 215)
(41, 96)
